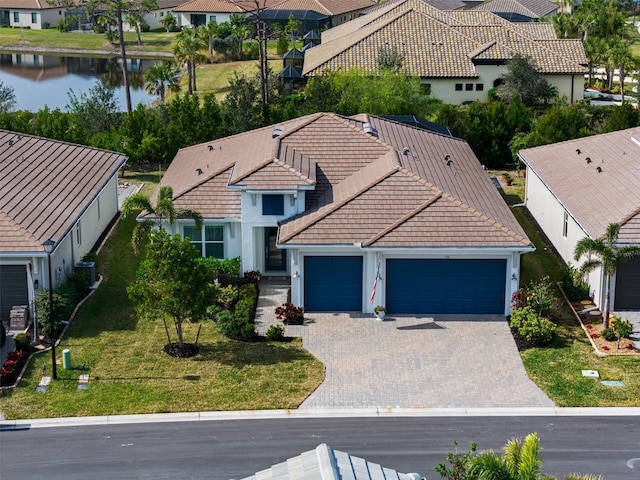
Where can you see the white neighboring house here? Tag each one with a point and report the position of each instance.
(50, 190)
(200, 12)
(575, 189)
(340, 204)
(33, 14)
(155, 17)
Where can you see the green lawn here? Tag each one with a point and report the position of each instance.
(129, 372)
(52, 38)
(556, 368)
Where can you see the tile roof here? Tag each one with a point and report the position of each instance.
(325, 463)
(27, 4)
(539, 30)
(439, 44)
(223, 6)
(359, 188)
(527, 8)
(328, 7)
(594, 199)
(45, 185)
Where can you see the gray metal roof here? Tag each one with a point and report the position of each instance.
(325, 463)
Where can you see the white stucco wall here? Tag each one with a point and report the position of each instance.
(153, 19)
(547, 210)
(184, 18)
(50, 15)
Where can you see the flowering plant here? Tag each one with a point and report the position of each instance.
(379, 308)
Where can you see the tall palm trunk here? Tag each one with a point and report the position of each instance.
(123, 54)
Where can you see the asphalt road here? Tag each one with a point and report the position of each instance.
(233, 449)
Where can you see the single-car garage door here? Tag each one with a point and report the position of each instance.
(13, 288)
(627, 295)
(416, 286)
(332, 284)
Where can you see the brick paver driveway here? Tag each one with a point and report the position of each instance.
(411, 362)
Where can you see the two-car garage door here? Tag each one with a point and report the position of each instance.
(413, 286)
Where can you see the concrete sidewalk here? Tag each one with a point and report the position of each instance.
(456, 361)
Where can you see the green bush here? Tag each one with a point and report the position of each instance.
(536, 330)
(44, 319)
(609, 334)
(92, 257)
(234, 327)
(574, 287)
(23, 342)
(275, 333)
(227, 297)
(228, 266)
(624, 328)
(283, 45)
(540, 296)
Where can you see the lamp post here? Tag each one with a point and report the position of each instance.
(48, 247)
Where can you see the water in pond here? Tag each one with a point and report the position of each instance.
(39, 80)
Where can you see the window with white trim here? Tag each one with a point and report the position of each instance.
(565, 225)
(209, 240)
(78, 234)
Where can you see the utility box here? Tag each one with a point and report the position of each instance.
(66, 359)
(90, 268)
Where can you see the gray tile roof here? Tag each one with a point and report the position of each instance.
(325, 463)
(45, 185)
(436, 44)
(595, 199)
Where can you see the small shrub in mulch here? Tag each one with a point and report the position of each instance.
(12, 367)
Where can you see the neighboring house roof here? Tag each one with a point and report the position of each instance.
(162, 4)
(222, 6)
(436, 44)
(524, 8)
(348, 173)
(439, 4)
(539, 30)
(45, 186)
(327, 7)
(27, 4)
(594, 199)
(325, 463)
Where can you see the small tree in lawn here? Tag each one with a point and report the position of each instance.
(173, 285)
(164, 212)
(608, 256)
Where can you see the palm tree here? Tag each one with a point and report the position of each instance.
(209, 32)
(520, 461)
(160, 77)
(135, 19)
(163, 213)
(594, 51)
(188, 51)
(609, 256)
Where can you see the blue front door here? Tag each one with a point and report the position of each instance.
(275, 259)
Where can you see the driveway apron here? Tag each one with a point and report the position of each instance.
(409, 362)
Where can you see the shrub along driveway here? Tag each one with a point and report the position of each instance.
(411, 362)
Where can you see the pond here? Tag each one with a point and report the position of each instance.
(39, 80)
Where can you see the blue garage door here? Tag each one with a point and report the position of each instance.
(445, 286)
(333, 284)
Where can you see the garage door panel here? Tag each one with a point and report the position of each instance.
(332, 284)
(627, 294)
(442, 286)
(13, 288)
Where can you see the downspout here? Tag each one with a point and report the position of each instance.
(572, 88)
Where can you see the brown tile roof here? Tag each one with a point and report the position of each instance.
(594, 199)
(223, 6)
(359, 188)
(527, 8)
(327, 7)
(45, 185)
(448, 43)
(539, 30)
(26, 4)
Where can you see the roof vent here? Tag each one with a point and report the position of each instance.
(578, 151)
(11, 143)
(368, 128)
(588, 159)
(599, 169)
(447, 159)
(210, 147)
(406, 151)
(277, 131)
(199, 171)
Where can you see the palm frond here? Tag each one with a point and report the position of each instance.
(588, 246)
(136, 202)
(530, 461)
(611, 236)
(140, 234)
(512, 456)
(488, 466)
(165, 210)
(589, 266)
(165, 193)
(192, 214)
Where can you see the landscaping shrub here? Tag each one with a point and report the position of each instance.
(574, 287)
(12, 366)
(275, 333)
(44, 317)
(227, 297)
(228, 266)
(290, 314)
(23, 342)
(518, 299)
(283, 45)
(624, 328)
(252, 276)
(536, 330)
(608, 334)
(92, 257)
(235, 327)
(540, 296)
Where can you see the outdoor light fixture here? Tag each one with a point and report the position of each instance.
(48, 247)
(514, 277)
(296, 274)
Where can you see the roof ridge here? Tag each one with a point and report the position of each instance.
(332, 207)
(628, 218)
(404, 218)
(481, 48)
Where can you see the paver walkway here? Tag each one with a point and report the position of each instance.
(409, 362)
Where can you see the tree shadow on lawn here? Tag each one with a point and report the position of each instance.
(238, 354)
